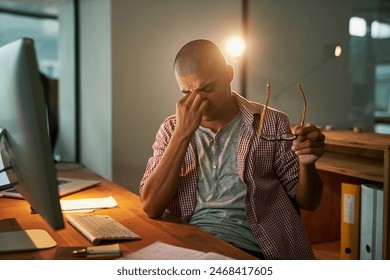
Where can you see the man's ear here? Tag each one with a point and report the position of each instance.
(230, 73)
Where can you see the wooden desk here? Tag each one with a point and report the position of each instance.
(15, 214)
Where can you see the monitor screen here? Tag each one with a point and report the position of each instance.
(27, 153)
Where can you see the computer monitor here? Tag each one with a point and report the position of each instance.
(27, 151)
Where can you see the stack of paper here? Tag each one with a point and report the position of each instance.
(163, 251)
(88, 204)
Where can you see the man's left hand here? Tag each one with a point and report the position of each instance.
(309, 145)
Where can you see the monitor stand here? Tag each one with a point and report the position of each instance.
(25, 240)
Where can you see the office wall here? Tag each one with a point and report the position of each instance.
(65, 148)
(96, 86)
(127, 83)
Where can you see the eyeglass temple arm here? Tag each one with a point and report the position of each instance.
(304, 105)
(262, 118)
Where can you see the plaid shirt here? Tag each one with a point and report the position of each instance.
(270, 171)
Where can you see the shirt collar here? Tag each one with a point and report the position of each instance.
(250, 111)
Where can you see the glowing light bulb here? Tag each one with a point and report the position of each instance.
(338, 50)
(235, 46)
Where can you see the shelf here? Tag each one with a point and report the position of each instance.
(352, 165)
(327, 250)
(374, 141)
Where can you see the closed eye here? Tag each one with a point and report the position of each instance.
(206, 88)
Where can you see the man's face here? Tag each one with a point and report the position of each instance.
(212, 85)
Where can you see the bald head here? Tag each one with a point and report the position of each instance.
(196, 55)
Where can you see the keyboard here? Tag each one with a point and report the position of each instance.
(97, 228)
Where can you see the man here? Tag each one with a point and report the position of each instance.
(211, 168)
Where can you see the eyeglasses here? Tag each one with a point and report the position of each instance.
(284, 136)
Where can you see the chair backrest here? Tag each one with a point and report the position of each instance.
(50, 91)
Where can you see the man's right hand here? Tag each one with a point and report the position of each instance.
(189, 113)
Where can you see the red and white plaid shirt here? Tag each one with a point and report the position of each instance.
(270, 171)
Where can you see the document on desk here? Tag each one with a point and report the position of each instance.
(87, 204)
(163, 251)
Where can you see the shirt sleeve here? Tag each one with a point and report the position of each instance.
(159, 146)
(286, 164)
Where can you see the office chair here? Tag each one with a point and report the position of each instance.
(50, 91)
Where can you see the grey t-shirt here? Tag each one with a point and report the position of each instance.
(220, 208)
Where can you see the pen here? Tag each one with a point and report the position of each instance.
(85, 252)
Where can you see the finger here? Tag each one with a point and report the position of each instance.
(310, 151)
(188, 98)
(307, 144)
(198, 101)
(310, 133)
(305, 130)
(182, 101)
(190, 102)
(299, 148)
(308, 124)
(313, 137)
(203, 106)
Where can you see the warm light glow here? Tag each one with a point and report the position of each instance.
(338, 50)
(235, 46)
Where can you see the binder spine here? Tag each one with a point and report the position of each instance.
(350, 221)
(371, 222)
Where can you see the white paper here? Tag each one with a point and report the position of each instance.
(79, 211)
(3, 179)
(88, 204)
(349, 209)
(163, 251)
(3, 175)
